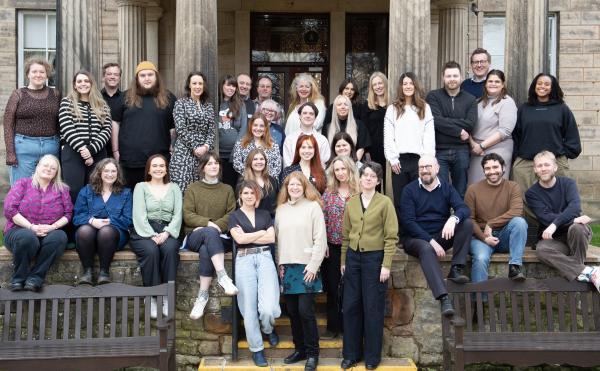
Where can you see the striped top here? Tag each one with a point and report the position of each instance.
(38, 206)
(86, 132)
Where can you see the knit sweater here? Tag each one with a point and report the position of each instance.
(85, 132)
(407, 133)
(205, 203)
(452, 114)
(374, 229)
(494, 205)
(301, 234)
(147, 207)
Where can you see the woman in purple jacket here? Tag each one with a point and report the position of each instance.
(36, 209)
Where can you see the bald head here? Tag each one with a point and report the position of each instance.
(428, 169)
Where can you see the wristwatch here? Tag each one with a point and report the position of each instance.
(482, 146)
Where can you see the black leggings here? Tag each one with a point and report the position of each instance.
(89, 241)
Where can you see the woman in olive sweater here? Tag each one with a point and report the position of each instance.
(370, 237)
(207, 205)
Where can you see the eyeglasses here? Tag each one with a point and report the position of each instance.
(481, 62)
(268, 110)
(425, 167)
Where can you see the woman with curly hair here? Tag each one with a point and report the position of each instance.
(304, 89)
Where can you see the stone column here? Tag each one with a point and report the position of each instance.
(337, 52)
(153, 15)
(79, 33)
(196, 42)
(452, 33)
(526, 44)
(132, 37)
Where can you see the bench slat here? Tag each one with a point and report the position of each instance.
(503, 321)
(596, 308)
(550, 311)
(67, 315)
(30, 323)
(136, 316)
(78, 318)
(147, 316)
(54, 324)
(526, 321)
(101, 318)
(124, 302)
(42, 328)
(479, 311)
(520, 341)
(573, 311)
(585, 315)
(492, 311)
(113, 316)
(515, 311)
(89, 330)
(468, 312)
(561, 311)
(6, 327)
(18, 320)
(537, 307)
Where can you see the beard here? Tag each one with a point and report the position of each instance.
(153, 90)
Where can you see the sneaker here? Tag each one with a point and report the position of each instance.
(259, 359)
(228, 286)
(198, 309)
(515, 274)
(153, 309)
(165, 307)
(595, 278)
(273, 338)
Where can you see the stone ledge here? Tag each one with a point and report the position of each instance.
(529, 256)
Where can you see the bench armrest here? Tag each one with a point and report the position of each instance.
(457, 322)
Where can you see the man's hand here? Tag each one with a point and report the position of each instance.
(491, 241)
(439, 250)
(464, 136)
(584, 219)
(487, 231)
(448, 231)
(548, 232)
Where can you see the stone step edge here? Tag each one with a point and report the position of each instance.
(285, 342)
(285, 320)
(276, 364)
(529, 256)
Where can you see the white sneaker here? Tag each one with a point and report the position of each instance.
(165, 307)
(198, 309)
(595, 278)
(228, 286)
(153, 308)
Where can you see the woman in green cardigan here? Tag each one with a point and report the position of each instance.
(369, 240)
(207, 205)
(156, 220)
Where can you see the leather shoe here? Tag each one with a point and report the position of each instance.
(446, 305)
(348, 363)
(259, 359)
(86, 277)
(370, 366)
(103, 277)
(311, 363)
(15, 286)
(515, 274)
(457, 275)
(273, 338)
(32, 286)
(294, 357)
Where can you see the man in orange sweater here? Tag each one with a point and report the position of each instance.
(496, 206)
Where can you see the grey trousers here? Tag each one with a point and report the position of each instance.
(566, 253)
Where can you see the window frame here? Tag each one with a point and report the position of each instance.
(20, 39)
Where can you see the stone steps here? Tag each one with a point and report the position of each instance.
(276, 364)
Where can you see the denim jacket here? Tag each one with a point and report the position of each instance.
(118, 208)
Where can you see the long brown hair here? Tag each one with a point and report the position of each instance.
(235, 102)
(316, 168)
(249, 137)
(310, 193)
(96, 177)
(134, 94)
(264, 174)
(97, 103)
(148, 177)
(417, 99)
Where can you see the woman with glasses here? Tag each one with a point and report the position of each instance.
(272, 112)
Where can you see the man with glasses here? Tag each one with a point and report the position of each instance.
(111, 92)
(429, 229)
(480, 65)
(244, 86)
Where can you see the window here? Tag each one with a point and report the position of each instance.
(493, 39)
(36, 38)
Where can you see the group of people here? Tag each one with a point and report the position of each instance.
(297, 194)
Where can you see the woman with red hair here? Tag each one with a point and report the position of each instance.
(307, 160)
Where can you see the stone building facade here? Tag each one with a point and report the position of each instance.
(218, 37)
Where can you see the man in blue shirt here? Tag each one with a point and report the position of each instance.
(480, 66)
(429, 229)
(564, 232)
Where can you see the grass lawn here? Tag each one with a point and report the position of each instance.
(596, 237)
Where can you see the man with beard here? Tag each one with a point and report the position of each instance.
(480, 65)
(496, 206)
(454, 115)
(565, 233)
(429, 229)
(144, 123)
(111, 78)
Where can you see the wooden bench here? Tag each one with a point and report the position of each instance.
(547, 321)
(87, 328)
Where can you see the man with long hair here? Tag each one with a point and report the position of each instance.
(144, 123)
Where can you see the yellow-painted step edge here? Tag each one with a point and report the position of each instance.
(276, 364)
(288, 344)
(285, 321)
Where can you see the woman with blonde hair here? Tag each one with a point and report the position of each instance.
(36, 209)
(373, 117)
(342, 183)
(301, 242)
(85, 129)
(304, 89)
(343, 119)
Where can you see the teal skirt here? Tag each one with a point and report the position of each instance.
(293, 281)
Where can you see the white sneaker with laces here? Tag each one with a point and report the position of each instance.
(153, 308)
(198, 309)
(228, 286)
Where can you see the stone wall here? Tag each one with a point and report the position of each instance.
(412, 322)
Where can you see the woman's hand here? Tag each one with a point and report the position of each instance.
(85, 153)
(213, 225)
(327, 251)
(281, 271)
(39, 230)
(343, 269)
(89, 161)
(384, 275)
(99, 223)
(309, 276)
(396, 168)
(200, 150)
(160, 238)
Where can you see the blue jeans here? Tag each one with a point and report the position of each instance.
(512, 239)
(29, 150)
(258, 299)
(455, 163)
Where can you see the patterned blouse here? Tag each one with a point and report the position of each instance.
(333, 210)
(38, 206)
(239, 155)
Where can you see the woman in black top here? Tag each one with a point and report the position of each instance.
(344, 120)
(256, 170)
(348, 88)
(373, 115)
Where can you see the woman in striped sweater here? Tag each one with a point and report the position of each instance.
(85, 129)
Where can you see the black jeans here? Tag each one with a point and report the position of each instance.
(207, 242)
(301, 309)
(409, 171)
(330, 270)
(363, 306)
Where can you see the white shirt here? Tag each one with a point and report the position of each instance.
(408, 133)
(292, 123)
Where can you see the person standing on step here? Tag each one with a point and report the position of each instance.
(496, 206)
(369, 241)
(429, 229)
(301, 245)
(480, 66)
(256, 277)
(564, 234)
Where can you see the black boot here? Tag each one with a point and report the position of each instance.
(86, 278)
(103, 277)
(311, 363)
(515, 274)
(446, 306)
(457, 275)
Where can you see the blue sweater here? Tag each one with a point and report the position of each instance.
(424, 213)
(559, 204)
(473, 88)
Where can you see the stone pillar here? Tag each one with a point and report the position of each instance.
(242, 42)
(196, 42)
(79, 33)
(153, 15)
(132, 37)
(337, 40)
(452, 33)
(526, 44)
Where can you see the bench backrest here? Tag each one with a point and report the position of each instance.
(545, 305)
(83, 312)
